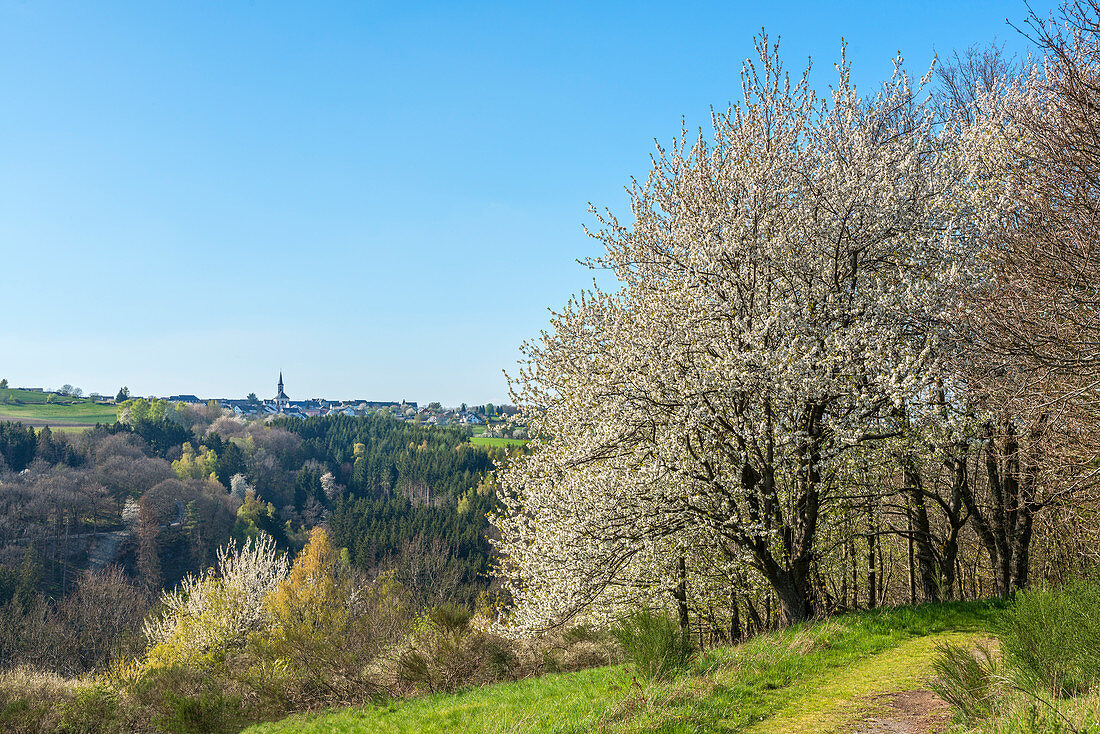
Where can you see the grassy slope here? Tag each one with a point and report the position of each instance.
(807, 679)
(31, 408)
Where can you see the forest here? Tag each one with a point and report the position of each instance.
(122, 512)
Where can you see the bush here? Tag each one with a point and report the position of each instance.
(1051, 638)
(414, 668)
(325, 628)
(447, 653)
(30, 699)
(92, 710)
(20, 715)
(654, 643)
(204, 713)
(450, 619)
(966, 679)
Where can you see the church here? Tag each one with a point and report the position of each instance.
(280, 403)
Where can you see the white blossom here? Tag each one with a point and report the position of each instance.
(781, 288)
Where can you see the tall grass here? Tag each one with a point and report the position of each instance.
(1051, 638)
(730, 689)
(1048, 678)
(968, 679)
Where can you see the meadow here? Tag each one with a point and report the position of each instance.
(497, 442)
(31, 408)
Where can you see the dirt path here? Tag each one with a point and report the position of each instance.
(883, 694)
(918, 711)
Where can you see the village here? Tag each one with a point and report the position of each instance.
(483, 417)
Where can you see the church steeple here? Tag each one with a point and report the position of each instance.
(281, 399)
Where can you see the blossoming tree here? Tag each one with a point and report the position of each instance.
(779, 291)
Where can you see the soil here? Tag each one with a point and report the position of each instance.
(907, 712)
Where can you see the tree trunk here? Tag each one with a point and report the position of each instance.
(788, 572)
(921, 536)
(855, 572)
(1028, 506)
(795, 604)
(680, 594)
(912, 570)
(953, 508)
(872, 579)
(736, 631)
(754, 616)
(1005, 524)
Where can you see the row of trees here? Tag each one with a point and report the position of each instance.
(854, 343)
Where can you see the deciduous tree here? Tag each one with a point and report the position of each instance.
(781, 288)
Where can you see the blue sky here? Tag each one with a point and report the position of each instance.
(380, 199)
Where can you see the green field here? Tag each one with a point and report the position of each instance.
(30, 407)
(495, 442)
(822, 677)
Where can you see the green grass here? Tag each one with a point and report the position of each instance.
(835, 702)
(1046, 677)
(812, 678)
(494, 442)
(30, 407)
(68, 430)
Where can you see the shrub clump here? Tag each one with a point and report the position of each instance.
(1049, 641)
(207, 616)
(446, 652)
(654, 643)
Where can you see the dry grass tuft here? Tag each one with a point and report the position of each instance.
(37, 685)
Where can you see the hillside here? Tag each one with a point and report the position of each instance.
(31, 408)
(865, 672)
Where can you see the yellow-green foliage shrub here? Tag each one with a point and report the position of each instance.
(195, 466)
(320, 628)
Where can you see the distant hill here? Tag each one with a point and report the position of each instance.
(35, 408)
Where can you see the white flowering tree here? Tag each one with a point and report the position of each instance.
(780, 286)
(208, 614)
(239, 486)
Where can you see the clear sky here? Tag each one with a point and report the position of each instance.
(381, 199)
